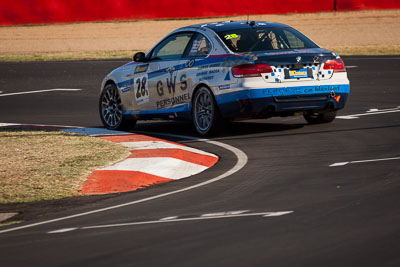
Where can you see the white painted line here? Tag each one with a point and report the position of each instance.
(171, 168)
(370, 112)
(8, 124)
(162, 145)
(169, 218)
(338, 164)
(241, 162)
(37, 125)
(351, 67)
(278, 213)
(42, 91)
(62, 230)
(263, 214)
(381, 110)
(224, 213)
(346, 117)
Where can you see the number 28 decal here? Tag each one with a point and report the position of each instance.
(141, 90)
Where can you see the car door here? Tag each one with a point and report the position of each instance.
(199, 68)
(164, 85)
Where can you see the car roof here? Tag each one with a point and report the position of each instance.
(233, 25)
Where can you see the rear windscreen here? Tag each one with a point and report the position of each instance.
(268, 38)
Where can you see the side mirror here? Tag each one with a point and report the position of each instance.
(139, 57)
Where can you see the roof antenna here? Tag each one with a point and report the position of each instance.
(251, 23)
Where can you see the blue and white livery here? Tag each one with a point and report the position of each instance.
(210, 73)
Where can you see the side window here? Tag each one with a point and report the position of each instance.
(201, 47)
(172, 48)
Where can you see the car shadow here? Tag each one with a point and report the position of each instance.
(246, 129)
(231, 129)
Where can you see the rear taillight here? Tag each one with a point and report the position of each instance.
(337, 65)
(250, 70)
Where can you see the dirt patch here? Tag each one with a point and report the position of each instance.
(370, 32)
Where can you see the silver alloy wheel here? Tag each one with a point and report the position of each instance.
(111, 108)
(204, 111)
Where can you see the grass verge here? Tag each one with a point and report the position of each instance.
(10, 223)
(64, 56)
(42, 165)
(372, 50)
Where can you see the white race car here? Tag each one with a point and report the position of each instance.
(209, 73)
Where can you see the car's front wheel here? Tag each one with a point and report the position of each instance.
(317, 118)
(206, 117)
(111, 110)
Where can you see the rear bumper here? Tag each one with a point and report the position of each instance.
(283, 101)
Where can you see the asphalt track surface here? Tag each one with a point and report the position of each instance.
(344, 215)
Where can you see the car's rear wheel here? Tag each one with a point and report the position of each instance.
(110, 108)
(206, 117)
(317, 118)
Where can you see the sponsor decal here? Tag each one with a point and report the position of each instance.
(175, 100)
(227, 77)
(208, 72)
(224, 87)
(301, 90)
(141, 90)
(230, 62)
(141, 68)
(231, 36)
(195, 46)
(206, 78)
(125, 89)
(298, 73)
(208, 66)
(201, 73)
(213, 71)
(171, 84)
(221, 44)
(189, 64)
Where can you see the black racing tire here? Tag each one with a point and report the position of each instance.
(206, 117)
(318, 118)
(111, 110)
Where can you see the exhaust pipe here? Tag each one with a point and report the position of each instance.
(332, 94)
